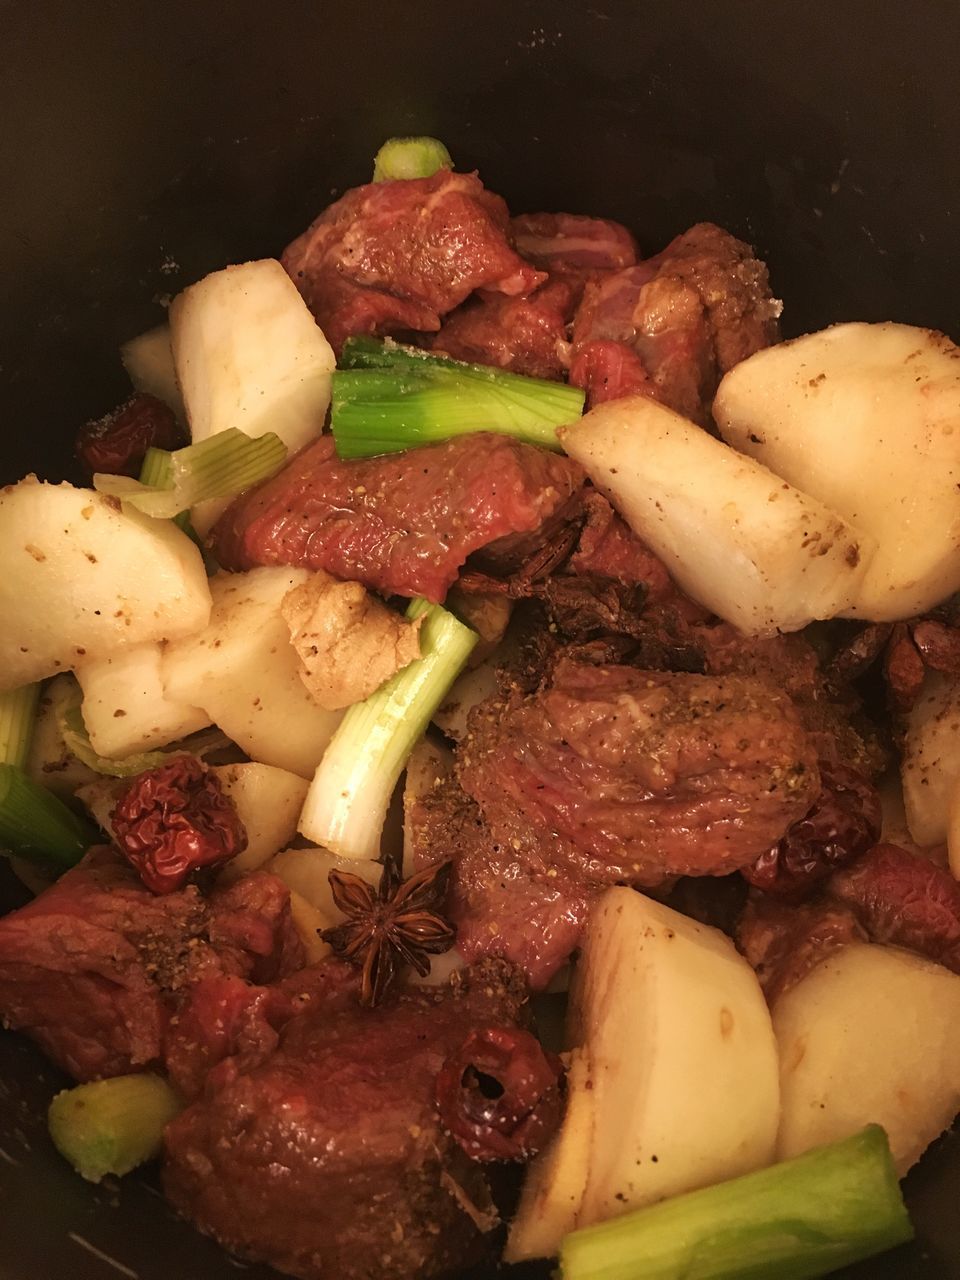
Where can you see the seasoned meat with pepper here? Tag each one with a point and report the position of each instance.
(403, 523)
(329, 1159)
(393, 256)
(93, 968)
(504, 900)
(691, 313)
(629, 775)
(523, 335)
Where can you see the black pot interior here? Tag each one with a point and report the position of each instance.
(142, 145)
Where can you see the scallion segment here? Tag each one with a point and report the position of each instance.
(347, 802)
(220, 467)
(38, 826)
(18, 716)
(111, 1126)
(803, 1218)
(410, 158)
(387, 397)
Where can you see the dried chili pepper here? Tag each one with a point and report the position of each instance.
(175, 819)
(117, 443)
(500, 1096)
(843, 823)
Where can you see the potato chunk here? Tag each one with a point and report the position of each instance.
(674, 1078)
(871, 1035)
(125, 708)
(244, 672)
(865, 417)
(762, 555)
(930, 759)
(83, 579)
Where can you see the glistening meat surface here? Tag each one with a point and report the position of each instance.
(629, 775)
(393, 256)
(403, 523)
(689, 314)
(329, 1160)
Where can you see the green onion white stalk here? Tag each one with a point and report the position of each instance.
(803, 1218)
(219, 467)
(410, 158)
(18, 716)
(111, 1126)
(347, 802)
(35, 825)
(387, 397)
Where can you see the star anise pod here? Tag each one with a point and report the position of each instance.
(398, 923)
(909, 648)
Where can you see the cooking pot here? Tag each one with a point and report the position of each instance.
(144, 144)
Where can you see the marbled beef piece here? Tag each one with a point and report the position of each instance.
(784, 940)
(690, 314)
(630, 775)
(573, 247)
(93, 968)
(402, 523)
(329, 1159)
(905, 900)
(504, 900)
(522, 335)
(392, 256)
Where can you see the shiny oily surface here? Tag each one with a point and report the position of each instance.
(157, 143)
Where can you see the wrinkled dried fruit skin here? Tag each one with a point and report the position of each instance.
(175, 819)
(500, 1095)
(842, 824)
(117, 443)
(938, 645)
(903, 668)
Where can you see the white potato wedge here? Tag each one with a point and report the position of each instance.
(953, 831)
(473, 686)
(871, 1035)
(737, 538)
(308, 921)
(930, 759)
(82, 579)
(125, 708)
(244, 672)
(307, 871)
(249, 354)
(148, 360)
(676, 1085)
(49, 760)
(268, 801)
(865, 417)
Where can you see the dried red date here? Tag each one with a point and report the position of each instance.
(117, 443)
(500, 1096)
(938, 646)
(843, 823)
(175, 819)
(903, 668)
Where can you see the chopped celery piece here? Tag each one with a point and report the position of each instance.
(157, 473)
(18, 715)
(347, 802)
(803, 1218)
(219, 467)
(111, 1126)
(410, 158)
(387, 397)
(38, 826)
